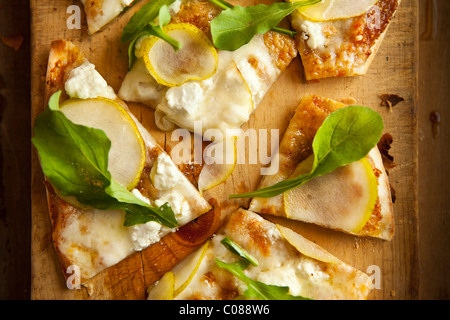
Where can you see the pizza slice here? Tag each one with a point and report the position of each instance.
(253, 258)
(96, 235)
(237, 85)
(340, 47)
(355, 199)
(101, 12)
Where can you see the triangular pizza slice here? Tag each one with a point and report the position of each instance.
(355, 198)
(92, 238)
(101, 12)
(253, 258)
(342, 47)
(235, 89)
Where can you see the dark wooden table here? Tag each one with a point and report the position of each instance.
(433, 126)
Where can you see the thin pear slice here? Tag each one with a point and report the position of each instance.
(306, 247)
(213, 174)
(185, 272)
(126, 157)
(196, 60)
(336, 9)
(164, 288)
(343, 199)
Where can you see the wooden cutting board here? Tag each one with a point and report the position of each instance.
(393, 71)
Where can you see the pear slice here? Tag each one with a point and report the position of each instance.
(213, 174)
(196, 60)
(127, 155)
(185, 272)
(174, 282)
(163, 289)
(343, 199)
(327, 10)
(306, 247)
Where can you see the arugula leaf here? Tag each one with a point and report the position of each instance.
(74, 158)
(148, 13)
(237, 249)
(236, 26)
(347, 135)
(225, 5)
(257, 289)
(164, 16)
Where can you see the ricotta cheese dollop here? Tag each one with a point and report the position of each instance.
(85, 82)
(164, 173)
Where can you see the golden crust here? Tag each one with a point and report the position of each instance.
(63, 57)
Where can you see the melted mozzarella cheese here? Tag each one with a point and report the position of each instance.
(165, 174)
(95, 240)
(223, 101)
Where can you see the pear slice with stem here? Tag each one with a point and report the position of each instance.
(327, 10)
(343, 199)
(196, 60)
(127, 154)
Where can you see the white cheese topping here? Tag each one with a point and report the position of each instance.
(140, 86)
(185, 97)
(96, 240)
(85, 82)
(143, 235)
(146, 234)
(165, 174)
(223, 101)
(179, 205)
(313, 33)
(167, 178)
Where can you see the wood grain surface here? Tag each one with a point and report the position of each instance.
(394, 71)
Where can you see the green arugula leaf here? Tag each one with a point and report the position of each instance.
(237, 249)
(74, 158)
(148, 13)
(257, 289)
(236, 26)
(164, 16)
(347, 135)
(225, 5)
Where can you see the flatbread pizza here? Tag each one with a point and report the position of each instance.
(92, 238)
(100, 13)
(253, 258)
(355, 199)
(342, 47)
(237, 86)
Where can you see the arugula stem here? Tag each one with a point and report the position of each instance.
(221, 4)
(288, 32)
(158, 31)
